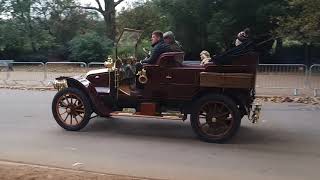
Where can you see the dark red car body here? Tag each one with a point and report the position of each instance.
(218, 91)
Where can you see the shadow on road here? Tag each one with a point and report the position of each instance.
(264, 138)
(175, 130)
(141, 128)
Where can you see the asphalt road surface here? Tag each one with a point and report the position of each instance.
(284, 145)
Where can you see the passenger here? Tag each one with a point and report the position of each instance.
(169, 38)
(243, 36)
(159, 47)
(205, 58)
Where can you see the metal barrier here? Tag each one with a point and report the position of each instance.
(270, 76)
(5, 67)
(282, 76)
(94, 65)
(26, 73)
(4, 74)
(314, 78)
(56, 69)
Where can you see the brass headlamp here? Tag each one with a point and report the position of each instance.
(143, 79)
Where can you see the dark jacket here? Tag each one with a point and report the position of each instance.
(158, 49)
(176, 47)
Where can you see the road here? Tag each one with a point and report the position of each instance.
(284, 145)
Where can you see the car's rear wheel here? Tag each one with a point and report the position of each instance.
(71, 109)
(215, 118)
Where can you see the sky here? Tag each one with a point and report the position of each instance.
(119, 7)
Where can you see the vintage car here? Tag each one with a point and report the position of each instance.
(215, 97)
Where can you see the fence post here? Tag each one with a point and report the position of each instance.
(45, 72)
(296, 92)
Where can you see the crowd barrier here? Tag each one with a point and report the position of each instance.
(270, 76)
(26, 72)
(314, 79)
(4, 74)
(93, 65)
(57, 69)
(282, 76)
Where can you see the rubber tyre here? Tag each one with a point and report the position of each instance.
(86, 104)
(218, 98)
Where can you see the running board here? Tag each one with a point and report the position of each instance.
(123, 114)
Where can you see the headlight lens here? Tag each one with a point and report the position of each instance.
(60, 84)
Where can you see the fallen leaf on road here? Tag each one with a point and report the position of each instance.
(77, 164)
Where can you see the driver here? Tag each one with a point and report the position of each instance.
(159, 47)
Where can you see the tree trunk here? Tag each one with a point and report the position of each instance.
(26, 19)
(109, 19)
(110, 25)
(31, 35)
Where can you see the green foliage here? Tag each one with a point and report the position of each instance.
(3, 4)
(214, 24)
(128, 51)
(142, 16)
(301, 22)
(189, 20)
(90, 47)
(292, 43)
(12, 40)
(44, 28)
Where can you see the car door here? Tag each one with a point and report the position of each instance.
(180, 82)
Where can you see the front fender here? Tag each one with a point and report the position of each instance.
(85, 86)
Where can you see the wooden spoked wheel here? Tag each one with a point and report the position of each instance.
(71, 109)
(215, 118)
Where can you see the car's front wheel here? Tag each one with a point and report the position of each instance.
(71, 109)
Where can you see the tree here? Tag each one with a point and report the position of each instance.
(90, 47)
(35, 29)
(12, 40)
(22, 11)
(142, 16)
(2, 6)
(189, 20)
(109, 15)
(214, 24)
(232, 16)
(301, 22)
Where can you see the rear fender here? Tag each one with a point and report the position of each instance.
(203, 92)
(238, 97)
(241, 100)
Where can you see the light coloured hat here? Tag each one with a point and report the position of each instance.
(169, 34)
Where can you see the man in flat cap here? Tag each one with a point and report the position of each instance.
(170, 39)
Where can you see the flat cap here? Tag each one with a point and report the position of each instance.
(168, 34)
